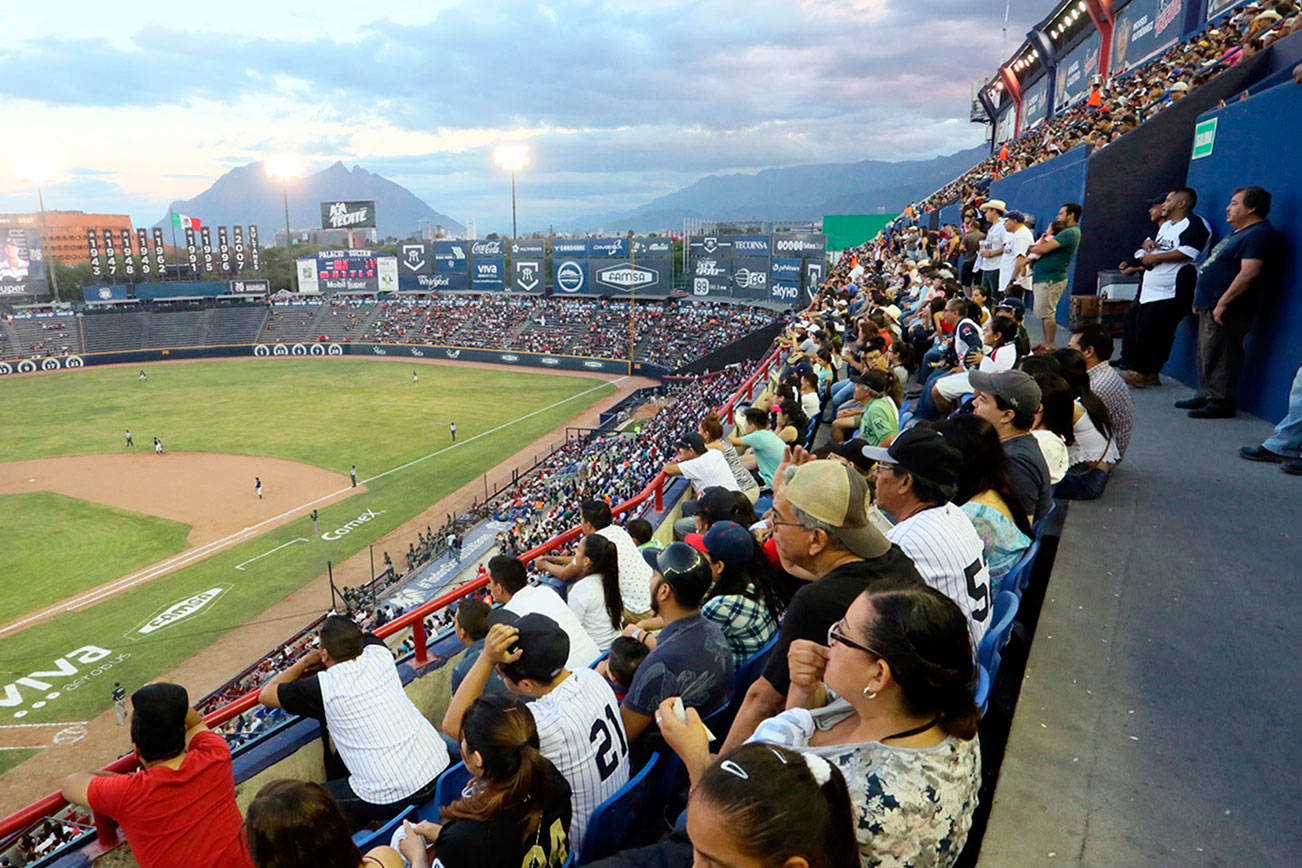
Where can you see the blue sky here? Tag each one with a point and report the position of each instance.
(142, 103)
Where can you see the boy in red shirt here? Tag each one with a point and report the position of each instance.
(179, 809)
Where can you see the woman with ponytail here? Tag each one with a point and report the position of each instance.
(516, 809)
(1093, 450)
(595, 598)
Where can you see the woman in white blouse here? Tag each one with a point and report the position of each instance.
(595, 598)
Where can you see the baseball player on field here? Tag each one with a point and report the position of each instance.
(158, 446)
(120, 702)
(130, 443)
(257, 486)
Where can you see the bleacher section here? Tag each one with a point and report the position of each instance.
(233, 325)
(117, 330)
(43, 336)
(329, 320)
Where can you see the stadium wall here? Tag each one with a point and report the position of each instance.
(752, 346)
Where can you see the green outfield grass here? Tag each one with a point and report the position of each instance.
(327, 412)
(55, 546)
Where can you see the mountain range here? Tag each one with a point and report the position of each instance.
(247, 194)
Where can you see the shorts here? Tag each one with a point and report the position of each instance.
(951, 387)
(1046, 297)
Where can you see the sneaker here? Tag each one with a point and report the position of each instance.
(1261, 453)
(1195, 403)
(1293, 466)
(1137, 380)
(1214, 410)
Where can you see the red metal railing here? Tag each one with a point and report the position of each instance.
(414, 620)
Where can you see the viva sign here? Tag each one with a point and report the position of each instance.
(37, 688)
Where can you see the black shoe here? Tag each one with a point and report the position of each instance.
(1260, 453)
(1293, 466)
(1214, 410)
(1195, 403)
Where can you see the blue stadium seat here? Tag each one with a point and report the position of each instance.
(1042, 525)
(604, 655)
(982, 695)
(450, 785)
(365, 840)
(764, 504)
(673, 774)
(811, 431)
(1019, 575)
(996, 637)
(746, 674)
(611, 822)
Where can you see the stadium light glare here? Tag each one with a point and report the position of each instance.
(1081, 7)
(38, 170)
(511, 158)
(284, 168)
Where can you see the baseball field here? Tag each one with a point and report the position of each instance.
(117, 563)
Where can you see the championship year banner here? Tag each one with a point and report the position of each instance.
(92, 248)
(111, 270)
(348, 215)
(488, 273)
(238, 258)
(160, 255)
(191, 251)
(223, 250)
(128, 257)
(450, 257)
(527, 275)
(142, 247)
(209, 264)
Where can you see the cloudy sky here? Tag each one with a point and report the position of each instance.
(142, 103)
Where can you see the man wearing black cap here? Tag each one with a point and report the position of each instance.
(576, 713)
(1009, 400)
(714, 504)
(180, 808)
(691, 657)
(704, 467)
(916, 476)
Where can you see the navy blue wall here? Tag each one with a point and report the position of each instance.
(1258, 141)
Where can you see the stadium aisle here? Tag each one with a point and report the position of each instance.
(1156, 721)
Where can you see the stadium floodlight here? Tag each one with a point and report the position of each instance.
(1081, 6)
(286, 168)
(512, 158)
(38, 171)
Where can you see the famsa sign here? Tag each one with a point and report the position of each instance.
(627, 277)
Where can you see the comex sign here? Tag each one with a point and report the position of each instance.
(348, 527)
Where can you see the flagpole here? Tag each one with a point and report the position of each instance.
(176, 253)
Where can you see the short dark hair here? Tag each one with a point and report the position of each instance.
(757, 417)
(1094, 336)
(507, 572)
(1074, 209)
(472, 616)
(1188, 192)
(595, 513)
(341, 637)
(1255, 198)
(626, 654)
(640, 530)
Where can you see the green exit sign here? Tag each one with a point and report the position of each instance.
(1204, 138)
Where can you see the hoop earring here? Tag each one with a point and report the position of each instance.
(869, 693)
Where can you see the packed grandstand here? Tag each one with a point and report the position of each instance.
(716, 680)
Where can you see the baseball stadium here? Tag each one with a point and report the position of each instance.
(804, 541)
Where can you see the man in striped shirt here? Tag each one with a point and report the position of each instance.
(577, 715)
(916, 476)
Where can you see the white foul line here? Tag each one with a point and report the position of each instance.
(41, 725)
(27, 747)
(272, 552)
(87, 598)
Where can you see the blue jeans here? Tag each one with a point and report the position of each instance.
(1287, 439)
(841, 393)
(926, 407)
(1082, 486)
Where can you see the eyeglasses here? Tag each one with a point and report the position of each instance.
(771, 516)
(835, 634)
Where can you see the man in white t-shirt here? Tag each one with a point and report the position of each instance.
(1018, 239)
(915, 481)
(634, 572)
(579, 725)
(509, 585)
(702, 466)
(993, 246)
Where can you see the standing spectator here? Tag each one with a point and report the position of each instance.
(509, 585)
(1049, 271)
(179, 809)
(1166, 291)
(1285, 445)
(1230, 285)
(1017, 240)
(993, 246)
(1009, 400)
(971, 246)
(1096, 345)
(392, 753)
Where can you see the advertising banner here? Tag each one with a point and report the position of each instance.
(1075, 72)
(352, 270)
(309, 282)
(255, 256)
(1142, 29)
(111, 270)
(255, 287)
(569, 247)
(434, 282)
(22, 264)
(415, 257)
(92, 248)
(1035, 102)
(653, 248)
(712, 267)
(205, 250)
(786, 270)
(238, 257)
(709, 245)
(750, 277)
(128, 257)
(223, 250)
(527, 275)
(105, 292)
(1216, 7)
(785, 293)
(703, 287)
(488, 273)
(571, 275)
(813, 276)
(607, 248)
(806, 245)
(160, 255)
(528, 248)
(142, 247)
(191, 251)
(651, 276)
(450, 257)
(386, 273)
(348, 215)
(751, 245)
(487, 247)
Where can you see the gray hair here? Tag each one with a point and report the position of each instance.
(808, 522)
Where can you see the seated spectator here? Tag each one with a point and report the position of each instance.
(594, 599)
(1009, 400)
(903, 728)
(986, 492)
(743, 599)
(634, 572)
(1093, 450)
(509, 585)
(626, 655)
(393, 755)
(1096, 345)
(711, 429)
(822, 534)
(702, 466)
(850, 453)
(916, 480)
(517, 809)
(875, 410)
(765, 447)
(179, 809)
(791, 423)
(471, 626)
(641, 531)
(298, 823)
(578, 721)
(999, 353)
(690, 656)
(1053, 421)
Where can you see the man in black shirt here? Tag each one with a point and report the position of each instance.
(1231, 282)
(1008, 400)
(821, 529)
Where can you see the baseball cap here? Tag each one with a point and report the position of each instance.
(996, 204)
(729, 542)
(835, 494)
(1017, 388)
(544, 646)
(158, 713)
(1012, 304)
(1156, 200)
(715, 503)
(686, 571)
(852, 451)
(1016, 216)
(1180, 85)
(923, 452)
(692, 441)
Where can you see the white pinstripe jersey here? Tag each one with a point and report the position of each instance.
(944, 546)
(581, 732)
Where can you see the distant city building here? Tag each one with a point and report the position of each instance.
(326, 237)
(65, 231)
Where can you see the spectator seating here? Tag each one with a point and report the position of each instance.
(1003, 613)
(366, 839)
(45, 336)
(108, 331)
(611, 822)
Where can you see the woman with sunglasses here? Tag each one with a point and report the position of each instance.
(902, 729)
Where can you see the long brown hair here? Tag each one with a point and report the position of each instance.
(295, 824)
(516, 778)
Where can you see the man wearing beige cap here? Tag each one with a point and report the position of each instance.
(992, 248)
(822, 533)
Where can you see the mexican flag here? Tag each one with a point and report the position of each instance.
(180, 221)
